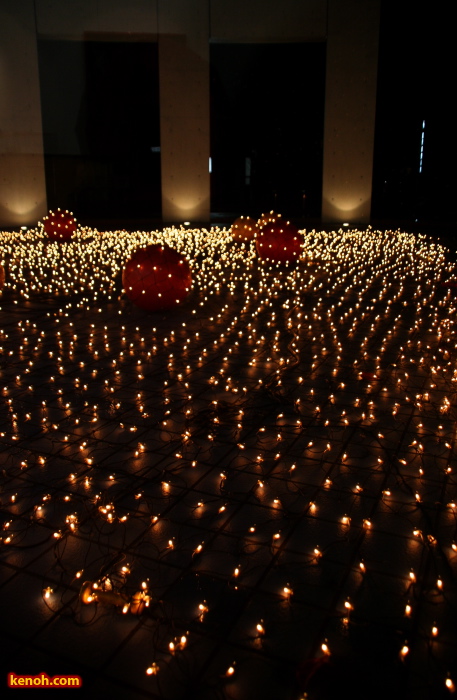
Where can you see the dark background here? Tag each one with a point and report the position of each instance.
(98, 138)
(416, 78)
(267, 105)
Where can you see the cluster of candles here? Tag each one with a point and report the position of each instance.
(333, 373)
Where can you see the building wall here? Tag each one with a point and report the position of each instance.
(74, 19)
(253, 21)
(184, 30)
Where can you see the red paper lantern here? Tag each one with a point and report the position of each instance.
(156, 278)
(244, 229)
(278, 242)
(2, 277)
(59, 225)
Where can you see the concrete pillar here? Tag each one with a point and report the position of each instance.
(350, 107)
(22, 177)
(184, 109)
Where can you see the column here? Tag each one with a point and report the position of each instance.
(22, 176)
(350, 110)
(184, 109)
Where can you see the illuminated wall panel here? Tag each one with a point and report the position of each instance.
(23, 189)
(350, 105)
(184, 109)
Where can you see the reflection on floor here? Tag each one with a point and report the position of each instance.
(259, 485)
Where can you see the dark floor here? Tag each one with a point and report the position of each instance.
(273, 463)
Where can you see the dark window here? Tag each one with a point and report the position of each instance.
(415, 85)
(267, 115)
(100, 107)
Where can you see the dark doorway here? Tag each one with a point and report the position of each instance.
(100, 107)
(267, 117)
(414, 174)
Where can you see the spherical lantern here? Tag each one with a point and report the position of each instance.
(59, 225)
(278, 242)
(156, 278)
(268, 218)
(244, 229)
